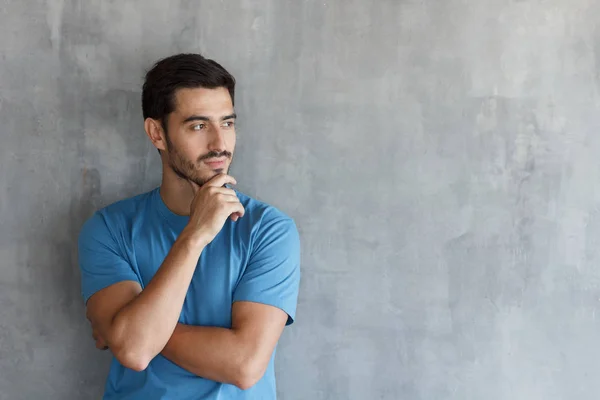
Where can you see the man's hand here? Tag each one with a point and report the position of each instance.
(212, 205)
(100, 342)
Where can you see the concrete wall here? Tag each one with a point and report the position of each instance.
(441, 159)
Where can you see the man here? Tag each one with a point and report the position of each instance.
(191, 284)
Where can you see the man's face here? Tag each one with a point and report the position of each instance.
(201, 134)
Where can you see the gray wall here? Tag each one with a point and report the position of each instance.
(441, 159)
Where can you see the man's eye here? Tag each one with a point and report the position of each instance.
(198, 127)
(228, 124)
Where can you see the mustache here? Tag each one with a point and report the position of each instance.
(214, 154)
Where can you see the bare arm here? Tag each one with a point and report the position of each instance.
(264, 301)
(136, 324)
(237, 356)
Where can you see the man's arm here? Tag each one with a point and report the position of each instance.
(136, 324)
(264, 301)
(238, 356)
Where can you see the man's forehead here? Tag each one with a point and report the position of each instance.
(211, 102)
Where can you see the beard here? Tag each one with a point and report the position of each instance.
(188, 170)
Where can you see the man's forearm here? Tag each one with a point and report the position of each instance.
(141, 329)
(219, 354)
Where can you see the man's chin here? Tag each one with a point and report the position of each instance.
(201, 182)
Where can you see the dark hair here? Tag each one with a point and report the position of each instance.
(177, 72)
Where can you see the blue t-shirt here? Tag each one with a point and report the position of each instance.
(256, 258)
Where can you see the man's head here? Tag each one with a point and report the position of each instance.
(187, 103)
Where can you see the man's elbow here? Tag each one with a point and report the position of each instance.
(132, 354)
(133, 360)
(248, 374)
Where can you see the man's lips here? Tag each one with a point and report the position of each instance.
(216, 162)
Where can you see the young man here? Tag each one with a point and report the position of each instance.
(191, 284)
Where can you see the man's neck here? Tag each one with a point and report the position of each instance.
(176, 193)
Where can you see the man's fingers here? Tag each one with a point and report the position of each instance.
(237, 209)
(100, 342)
(101, 345)
(226, 191)
(220, 180)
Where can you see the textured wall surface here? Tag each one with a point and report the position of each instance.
(441, 159)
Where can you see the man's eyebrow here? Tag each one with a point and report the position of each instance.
(204, 118)
(196, 118)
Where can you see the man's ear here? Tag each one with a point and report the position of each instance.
(156, 133)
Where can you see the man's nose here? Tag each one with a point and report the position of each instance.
(217, 141)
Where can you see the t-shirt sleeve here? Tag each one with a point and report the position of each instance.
(100, 260)
(272, 275)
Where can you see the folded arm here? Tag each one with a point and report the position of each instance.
(264, 301)
(238, 356)
(136, 324)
